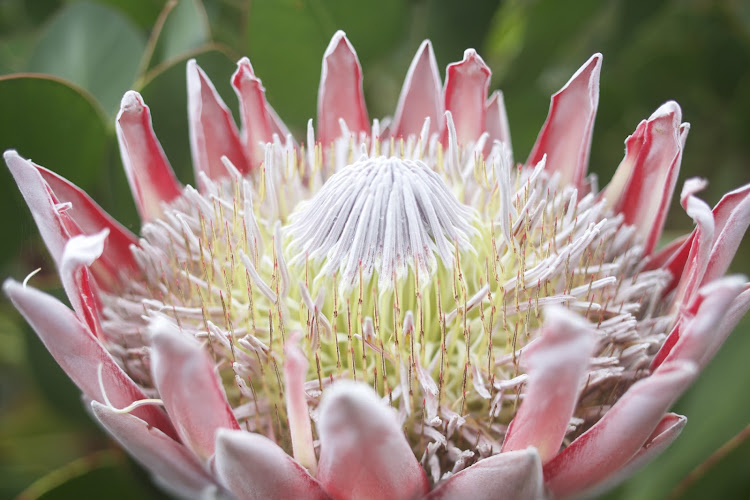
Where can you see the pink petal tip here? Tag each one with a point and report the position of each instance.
(466, 87)
(363, 451)
(340, 94)
(213, 133)
(566, 134)
(151, 178)
(421, 95)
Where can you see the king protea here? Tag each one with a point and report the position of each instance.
(387, 309)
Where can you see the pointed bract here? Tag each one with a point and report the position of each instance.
(557, 365)
(467, 84)
(513, 475)
(79, 354)
(295, 369)
(699, 334)
(643, 185)
(731, 219)
(186, 381)
(421, 95)
(91, 218)
(363, 451)
(701, 243)
(566, 134)
(254, 110)
(54, 225)
(151, 178)
(614, 440)
(739, 308)
(161, 455)
(666, 432)
(253, 467)
(340, 93)
(61, 211)
(213, 133)
(614, 192)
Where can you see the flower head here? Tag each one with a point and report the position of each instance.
(394, 309)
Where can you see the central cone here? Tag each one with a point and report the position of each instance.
(381, 215)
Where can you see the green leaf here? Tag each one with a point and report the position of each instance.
(141, 12)
(93, 46)
(57, 125)
(18, 26)
(17, 15)
(105, 474)
(14, 52)
(165, 92)
(185, 29)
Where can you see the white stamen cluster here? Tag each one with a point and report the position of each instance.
(420, 271)
(383, 213)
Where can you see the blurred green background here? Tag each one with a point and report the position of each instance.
(65, 64)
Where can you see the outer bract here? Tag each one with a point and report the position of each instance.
(394, 309)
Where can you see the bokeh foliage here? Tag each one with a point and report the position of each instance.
(65, 63)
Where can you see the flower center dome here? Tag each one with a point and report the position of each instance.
(381, 215)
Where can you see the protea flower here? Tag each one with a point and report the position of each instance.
(394, 309)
